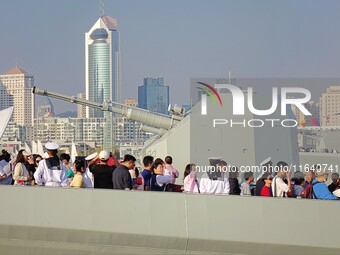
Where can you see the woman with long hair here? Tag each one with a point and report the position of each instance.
(21, 175)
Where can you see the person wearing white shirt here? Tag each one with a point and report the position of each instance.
(215, 181)
(158, 179)
(279, 187)
(6, 172)
(170, 170)
(214, 186)
(51, 172)
(88, 176)
(6, 168)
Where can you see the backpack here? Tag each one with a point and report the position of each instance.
(291, 193)
(308, 192)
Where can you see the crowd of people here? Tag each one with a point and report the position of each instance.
(103, 171)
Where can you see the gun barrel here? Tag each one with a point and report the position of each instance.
(140, 115)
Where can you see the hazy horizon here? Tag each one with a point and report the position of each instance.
(177, 40)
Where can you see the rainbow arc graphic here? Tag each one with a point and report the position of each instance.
(211, 91)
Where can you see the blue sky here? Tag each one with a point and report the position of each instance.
(177, 39)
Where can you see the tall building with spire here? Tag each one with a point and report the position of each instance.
(16, 90)
(103, 77)
(102, 56)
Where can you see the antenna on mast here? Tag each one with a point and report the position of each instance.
(229, 76)
(102, 8)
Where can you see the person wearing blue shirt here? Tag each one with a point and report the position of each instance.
(320, 189)
(146, 174)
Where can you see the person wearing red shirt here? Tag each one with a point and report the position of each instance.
(266, 190)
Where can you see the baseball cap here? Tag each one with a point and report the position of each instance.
(104, 155)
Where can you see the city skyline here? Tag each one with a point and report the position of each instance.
(205, 39)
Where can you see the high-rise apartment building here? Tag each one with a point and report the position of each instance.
(330, 107)
(308, 120)
(153, 95)
(16, 90)
(61, 130)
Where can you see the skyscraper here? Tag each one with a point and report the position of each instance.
(102, 56)
(153, 95)
(16, 90)
(103, 82)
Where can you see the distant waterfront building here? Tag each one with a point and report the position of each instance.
(103, 77)
(46, 109)
(16, 90)
(153, 95)
(308, 120)
(14, 132)
(66, 130)
(81, 109)
(127, 132)
(330, 107)
(131, 102)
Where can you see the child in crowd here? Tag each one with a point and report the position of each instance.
(245, 187)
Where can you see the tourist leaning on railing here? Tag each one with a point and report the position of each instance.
(279, 187)
(190, 183)
(21, 175)
(320, 189)
(121, 177)
(147, 172)
(333, 186)
(266, 190)
(78, 180)
(245, 187)
(158, 179)
(6, 168)
(51, 171)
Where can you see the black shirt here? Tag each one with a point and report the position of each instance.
(332, 187)
(234, 187)
(259, 185)
(154, 186)
(121, 178)
(102, 175)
